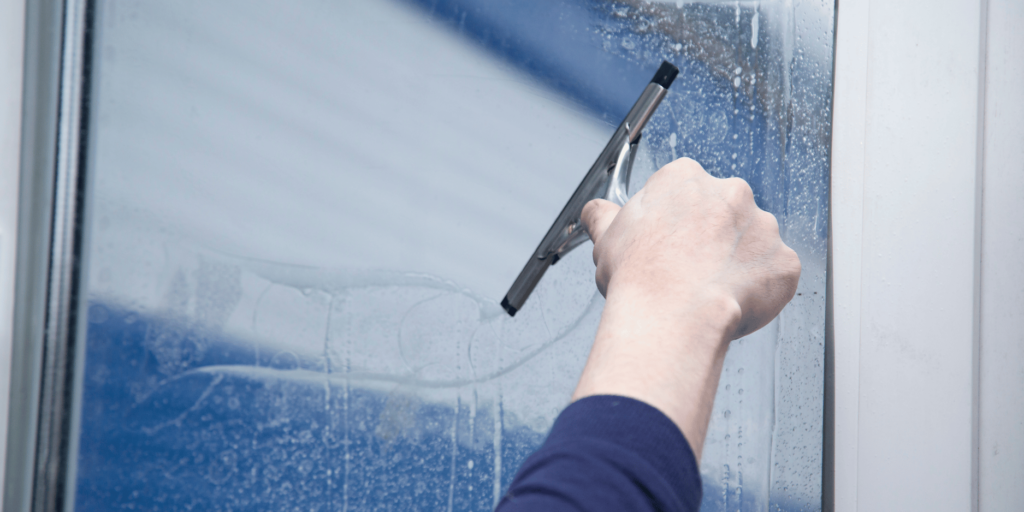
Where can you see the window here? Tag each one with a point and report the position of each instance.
(300, 222)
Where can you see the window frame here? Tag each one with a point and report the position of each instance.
(47, 326)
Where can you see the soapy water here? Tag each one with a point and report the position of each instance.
(244, 437)
(364, 407)
(407, 390)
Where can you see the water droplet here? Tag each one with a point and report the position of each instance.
(727, 414)
(740, 391)
(285, 360)
(754, 29)
(98, 314)
(469, 464)
(222, 467)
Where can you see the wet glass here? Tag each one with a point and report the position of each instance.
(302, 219)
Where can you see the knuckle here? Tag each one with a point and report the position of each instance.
(591, 210)
(683, 163)
(684, 167)
(738, 191)
(689, 164)
(771, 222)
(588, 210)
(793, 261)
(742, 187)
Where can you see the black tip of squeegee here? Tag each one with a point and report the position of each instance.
(665, 75)
(508, 307)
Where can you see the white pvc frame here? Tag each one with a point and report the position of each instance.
(927, 245)
(47, 321)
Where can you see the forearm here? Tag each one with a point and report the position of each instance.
(665, 351)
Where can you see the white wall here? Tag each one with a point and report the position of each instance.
(12, 26)
(928, 236)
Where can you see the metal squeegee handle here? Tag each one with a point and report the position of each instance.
(608, 178)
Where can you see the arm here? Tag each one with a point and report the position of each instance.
(688, 265)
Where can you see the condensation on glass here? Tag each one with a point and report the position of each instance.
(302, 219)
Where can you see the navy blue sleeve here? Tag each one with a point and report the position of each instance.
(608, 453)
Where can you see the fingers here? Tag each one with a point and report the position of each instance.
(597, 215)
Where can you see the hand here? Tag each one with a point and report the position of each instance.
(687, 265)
(688, 237)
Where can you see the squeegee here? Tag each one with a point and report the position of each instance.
(608, 179)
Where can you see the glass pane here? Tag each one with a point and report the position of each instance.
(303, 219)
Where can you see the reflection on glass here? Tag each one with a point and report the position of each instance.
(302, 221)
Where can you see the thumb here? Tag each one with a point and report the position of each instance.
(597, 215)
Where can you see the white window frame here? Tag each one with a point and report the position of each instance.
(927, 245)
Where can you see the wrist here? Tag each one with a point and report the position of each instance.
(666, 351)
(704, 314)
